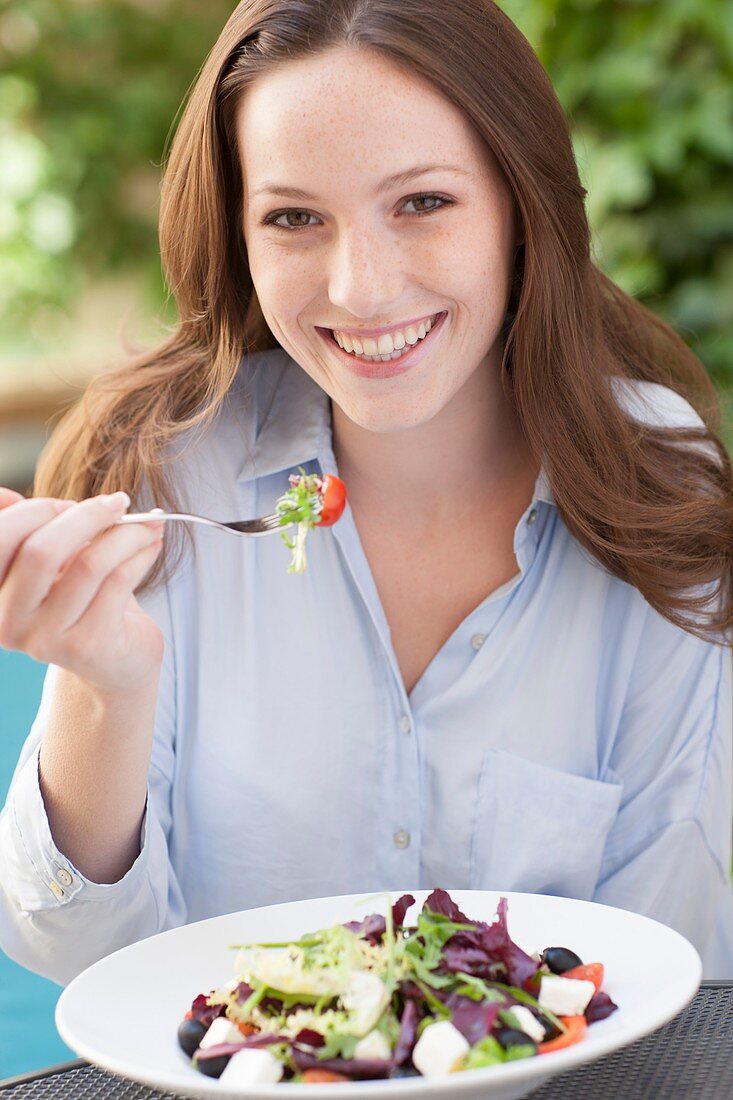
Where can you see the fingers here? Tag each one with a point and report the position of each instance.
(19, 519)
(39, 560)
(8, 497)
(113, 597)
(83, 577)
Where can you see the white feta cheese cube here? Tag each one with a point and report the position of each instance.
(440, 1049)
(221, 1031)
(528, 1023)
(373, 1045)
(252, 1067)
(565, 996)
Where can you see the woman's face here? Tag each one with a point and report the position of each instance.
(361, 252)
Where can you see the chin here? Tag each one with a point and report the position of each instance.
(382, 415)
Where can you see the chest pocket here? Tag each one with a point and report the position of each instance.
(539, 830)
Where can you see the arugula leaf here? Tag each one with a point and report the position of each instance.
(435, 1004)
(260, 992)
(337, 1045)
(302, 504)
(424, 948)
(477, 989)
(527, 999)
(486, 1052)
(508, 1019)
(389, 1026)
(519, 1051)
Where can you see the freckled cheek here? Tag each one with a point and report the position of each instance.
(284, 284)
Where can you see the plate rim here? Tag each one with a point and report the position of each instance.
(505, 1074)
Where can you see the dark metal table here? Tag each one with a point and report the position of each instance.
(690, 1058)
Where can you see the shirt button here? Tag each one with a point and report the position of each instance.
(401, 838)
(531, 517)
(64, 877)
(56, 890)
(478, 640)
(405, 723)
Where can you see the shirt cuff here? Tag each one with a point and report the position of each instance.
(40, 877)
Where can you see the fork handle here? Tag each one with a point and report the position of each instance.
(156, 514)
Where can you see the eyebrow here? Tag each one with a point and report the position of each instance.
(274, 188)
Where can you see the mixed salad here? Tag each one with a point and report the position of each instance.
(379, 998)
(311, 500)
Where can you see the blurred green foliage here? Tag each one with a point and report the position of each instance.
(648, 88)
(90, 89)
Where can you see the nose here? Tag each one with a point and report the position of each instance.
(365, 275)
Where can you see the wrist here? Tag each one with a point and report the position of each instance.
(108, 699)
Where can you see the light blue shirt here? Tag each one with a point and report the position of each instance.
(565, 740)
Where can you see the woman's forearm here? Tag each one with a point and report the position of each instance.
(93, 772)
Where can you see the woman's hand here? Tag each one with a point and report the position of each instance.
(67, 577)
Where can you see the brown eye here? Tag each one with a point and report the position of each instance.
(273, 219)
(423, 198)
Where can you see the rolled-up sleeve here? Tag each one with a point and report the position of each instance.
(668, 854)
(53, 919)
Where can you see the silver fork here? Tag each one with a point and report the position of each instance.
(265, 525)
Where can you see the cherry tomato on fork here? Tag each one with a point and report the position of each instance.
(334, 500)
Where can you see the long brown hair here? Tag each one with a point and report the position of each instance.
(654, 510)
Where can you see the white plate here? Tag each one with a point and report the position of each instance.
(123, 1012)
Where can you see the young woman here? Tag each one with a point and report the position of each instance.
(508, 665)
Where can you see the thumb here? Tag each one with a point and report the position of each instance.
(9, 496)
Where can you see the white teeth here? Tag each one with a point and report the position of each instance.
(388, 346)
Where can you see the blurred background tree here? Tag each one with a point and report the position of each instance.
(91, 88)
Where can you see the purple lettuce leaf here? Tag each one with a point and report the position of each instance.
(205, 1014)
(408, 1034)
(409, 991)
(599, 1007)
(488, 952)
(399, 909)
(350, 1067)
(310, 1037)
(221, 1049)
(440, 901)
(374, 927)
(473, 1019)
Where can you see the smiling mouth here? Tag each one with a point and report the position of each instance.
(411, 336)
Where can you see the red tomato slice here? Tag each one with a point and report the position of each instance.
(334, 500)
(588, 972)
(532, 984)
(576, 1029)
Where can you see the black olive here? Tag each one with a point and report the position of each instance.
(560, 959)
(212, 1067)
(190, 1034)
(512, 1037)
(551, 1032)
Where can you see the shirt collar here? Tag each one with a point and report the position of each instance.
(296, 420)
(296, 426)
